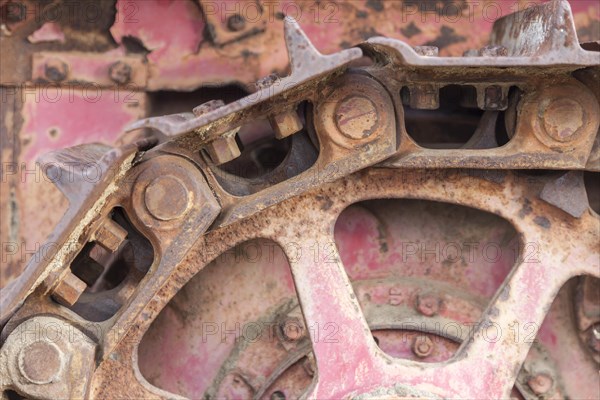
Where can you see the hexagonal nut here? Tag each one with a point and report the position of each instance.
(224, 149)
(110, 235)
(56, 70)
(68, 290)
(286, 123)
(428, 51)
(120, 72)
(428, 305)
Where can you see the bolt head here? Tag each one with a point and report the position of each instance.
(428, 305)
(356, 117)
(120, 72)
(224, 149)
(562, 118)
(540, 383)
(40, 362)
(266, 81)
(68, 290)
(493, 51)
(56, 70)
(422, 346)
(286, 123)
(292, 329)
(167, 198)
(428, 51)
(14, 11)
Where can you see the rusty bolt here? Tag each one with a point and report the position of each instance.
(167, 198)
(429, 51)
(562, 118)
(422, 346)
(111, 235)
(428, 305)
(207, 107)
(494, 98)
(224, 149)
(356, 117)
(120, 72)
(540, 384)
(236, 23)
(68, 290)
(493, 51)
(292, 329)
(40, 362)
(286, 123)
(424, 97)
(266, 81)
(13, 12)
(56, 70)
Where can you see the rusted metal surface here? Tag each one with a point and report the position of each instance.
(45, 357)
(336, 300)
(322, 266)
(178, 51)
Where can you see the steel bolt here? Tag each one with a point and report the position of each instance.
(428, 305)
(40, 362)
(167, 198)
(493, 51)
(266, 81)
(429, 51)
(68, 290)
(424, 97)
(292, 329)
(286, 123)
(356, 117)
(540, 383)
(207, 107)
(14, 12)
(111, 235)
(562, 118)
(422, 346)
(224, 149)
(56, 70)
(236, 23)
(494, 98)
(120, 72)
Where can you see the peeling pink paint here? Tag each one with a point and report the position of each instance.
(56, 118)
(49, 32)
(170, 29)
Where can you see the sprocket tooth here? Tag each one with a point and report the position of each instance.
(527, 24)
(75, 170)
(299, 47)
(568, 193)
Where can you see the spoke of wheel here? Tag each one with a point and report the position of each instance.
(341, 339)
(504, 337)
